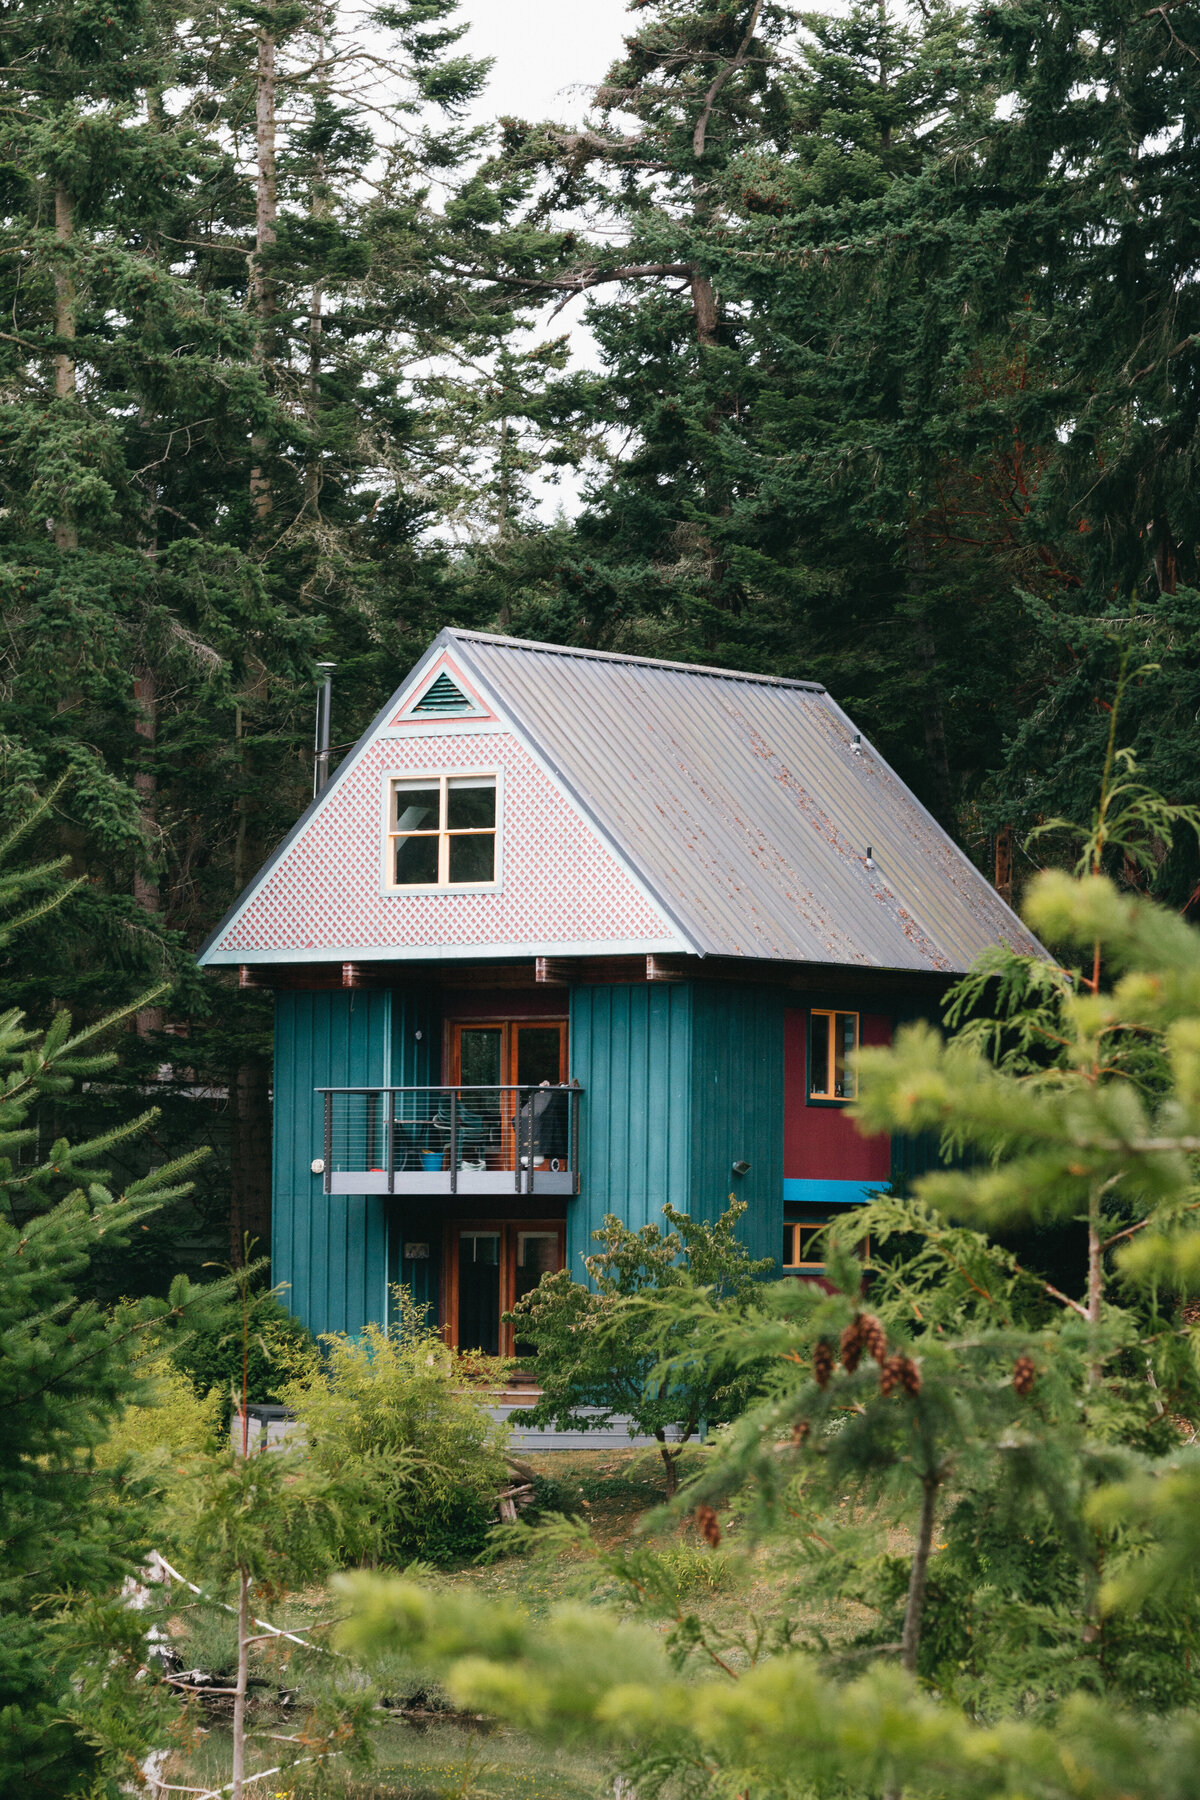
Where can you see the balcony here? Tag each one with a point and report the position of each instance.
(451, 1140)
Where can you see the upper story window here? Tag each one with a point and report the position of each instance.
(832, 1040)
(442, 831)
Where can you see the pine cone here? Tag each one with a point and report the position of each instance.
(910, 1376)
(852, 1344)
(899, 1371)
(822, 1363)
(708, 1525)
(800, 1431)
(874, 1338)
(1024, 1374)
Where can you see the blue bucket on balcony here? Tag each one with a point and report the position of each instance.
(431, 1160)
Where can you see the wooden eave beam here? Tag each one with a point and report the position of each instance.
(595, 971)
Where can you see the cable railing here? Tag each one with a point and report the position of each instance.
(451, 1140)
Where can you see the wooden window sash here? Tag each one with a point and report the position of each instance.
(827, 1092)
(442, 831)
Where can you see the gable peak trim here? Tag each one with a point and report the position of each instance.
(444, 692)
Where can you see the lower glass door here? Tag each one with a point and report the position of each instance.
(479, 1291)
(496, 1262)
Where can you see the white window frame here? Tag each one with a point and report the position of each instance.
(440, 776)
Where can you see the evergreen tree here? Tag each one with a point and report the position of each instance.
(1050, 1580)
(75, 1708)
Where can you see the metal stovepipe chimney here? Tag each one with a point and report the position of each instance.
(321, 740)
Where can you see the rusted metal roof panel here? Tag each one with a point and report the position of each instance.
(745, 805)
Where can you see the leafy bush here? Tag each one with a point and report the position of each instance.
(401, 1394)
(602, 1352)
(170, 1417)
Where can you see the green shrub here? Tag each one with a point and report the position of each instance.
(171, 1418)
(400, 1394)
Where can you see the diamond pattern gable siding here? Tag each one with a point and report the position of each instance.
(560, 885)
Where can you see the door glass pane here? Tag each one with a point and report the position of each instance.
(479, 1055)
(539, 1055)
(416, 861)
(537, 1255)
(479, 1291)
(470, 803)
(473, 857)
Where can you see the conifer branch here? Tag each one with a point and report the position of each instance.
(698, 135)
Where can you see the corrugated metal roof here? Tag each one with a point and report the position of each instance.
(742, 802)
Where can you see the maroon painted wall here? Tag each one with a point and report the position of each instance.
(820, 1143)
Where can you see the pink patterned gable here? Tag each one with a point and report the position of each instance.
(560, 886)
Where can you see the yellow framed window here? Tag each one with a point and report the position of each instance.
(442, 831)
(832, 1041)
(801, 1244)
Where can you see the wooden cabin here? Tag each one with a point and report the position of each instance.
(571, 933)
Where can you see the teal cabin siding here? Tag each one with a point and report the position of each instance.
(332, 1249)
(737, 1109)
(680, 1081)
(631, 1051)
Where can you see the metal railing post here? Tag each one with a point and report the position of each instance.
(372, 1127)
(328, 1141)
(573, 1136)
(454, 1140)
(529, 1148)
(389, 1139)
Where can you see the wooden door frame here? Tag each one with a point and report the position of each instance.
(508, 1230)
(508, 1029)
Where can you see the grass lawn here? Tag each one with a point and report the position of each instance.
(432, 1758)
(434, 1763)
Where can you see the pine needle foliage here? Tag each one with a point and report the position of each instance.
(1043, 1594)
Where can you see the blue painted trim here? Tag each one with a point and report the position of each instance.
(828, 1193)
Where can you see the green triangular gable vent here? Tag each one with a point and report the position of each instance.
(441, 696)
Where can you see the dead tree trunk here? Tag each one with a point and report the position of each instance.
(262, 287)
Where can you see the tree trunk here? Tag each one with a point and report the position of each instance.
(318, 208)
(262, 288)
(1095, 1278)
(145, 886)
(910, 1637)
(66, 536)
(670, 1463)
(704, 310)
(250, 1158)
(239, 1692)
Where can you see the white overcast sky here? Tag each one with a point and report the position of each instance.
(542, 50)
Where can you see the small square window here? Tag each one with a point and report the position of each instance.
(442, 832)
(801, 1244)
(832, 1041)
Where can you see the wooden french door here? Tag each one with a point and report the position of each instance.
(490, 1264)
(504, 1053)
(508, 1053)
